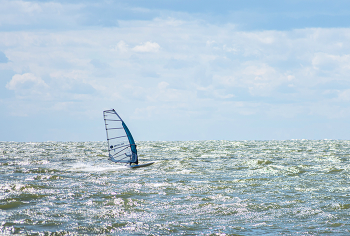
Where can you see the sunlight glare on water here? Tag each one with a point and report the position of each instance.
(195, 187)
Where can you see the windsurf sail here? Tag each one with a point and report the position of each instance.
(121, 144)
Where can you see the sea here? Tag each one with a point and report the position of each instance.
(291, 187)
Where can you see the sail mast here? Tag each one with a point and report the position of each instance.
(104, 117)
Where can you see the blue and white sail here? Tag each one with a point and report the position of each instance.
(121, 144)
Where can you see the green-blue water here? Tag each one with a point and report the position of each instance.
(296, 187)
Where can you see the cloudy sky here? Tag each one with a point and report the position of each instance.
(175, 69)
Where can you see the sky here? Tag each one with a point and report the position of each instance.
(175, 69)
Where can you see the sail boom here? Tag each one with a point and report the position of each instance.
(121, 151)
(120, 161)
(114, 156)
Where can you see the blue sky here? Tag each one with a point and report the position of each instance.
(175, 70)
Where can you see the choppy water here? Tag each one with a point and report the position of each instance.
(195, 187)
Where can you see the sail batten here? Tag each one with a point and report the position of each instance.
(117, 137)
(121, 144)
(119, 147)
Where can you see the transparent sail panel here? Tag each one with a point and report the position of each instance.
(119, 147)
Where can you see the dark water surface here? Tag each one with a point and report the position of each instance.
(296, 187)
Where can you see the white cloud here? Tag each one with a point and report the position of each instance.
(147, 47)
(330, 62)
(162, 85)
(29, 7)
(199, 69)
(344, 95)
(26, 81)
(122, 47)
(225, 60)
(19, 13)
(29, 86)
